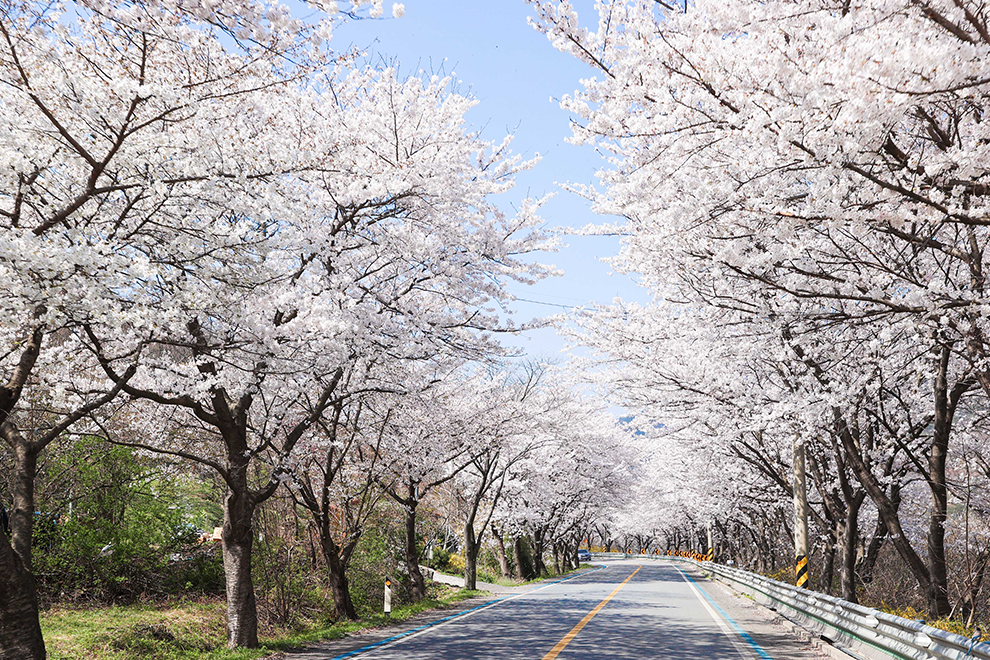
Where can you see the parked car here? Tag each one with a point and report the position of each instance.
(583, 555)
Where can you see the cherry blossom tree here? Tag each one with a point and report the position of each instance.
(388, 250)
(568, 483)
(336, 481)
(800, 167)
(127, 134)
(504, 429)
(217, 206)
(427, 447)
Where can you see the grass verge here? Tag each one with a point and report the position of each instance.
(187, 630)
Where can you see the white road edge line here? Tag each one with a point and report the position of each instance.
(742, 649)
(370, 653)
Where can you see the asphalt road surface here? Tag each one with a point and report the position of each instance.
(623, 610)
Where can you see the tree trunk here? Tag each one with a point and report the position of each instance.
(417, 583)
(539, 568)
(848, 540)
(939, 594)
(20, 632)
(503, 559)
(337, 559)
(944, 408)
(828, 565)
(868, 562)
(22, 514)
(339, 587)
(238, 540)
(517, 550)
(470, 558)
(886, 510)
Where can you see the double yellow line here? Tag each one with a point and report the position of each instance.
(555, 651)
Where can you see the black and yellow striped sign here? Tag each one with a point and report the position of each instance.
(697, 556)
(801, 570)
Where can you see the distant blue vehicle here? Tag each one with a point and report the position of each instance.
(583, 555)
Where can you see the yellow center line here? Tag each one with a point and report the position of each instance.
(555, 651)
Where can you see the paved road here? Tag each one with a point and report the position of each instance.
(624, 610)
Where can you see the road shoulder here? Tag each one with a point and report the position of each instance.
(780, 638)
(334, 648)
(355, 642)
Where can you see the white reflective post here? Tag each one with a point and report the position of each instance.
(388, 597)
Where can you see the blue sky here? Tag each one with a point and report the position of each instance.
(516, 75)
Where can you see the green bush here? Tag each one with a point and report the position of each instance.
(112, 527)
(378, 556)
(441, 559)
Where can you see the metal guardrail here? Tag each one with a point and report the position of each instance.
(857, 630)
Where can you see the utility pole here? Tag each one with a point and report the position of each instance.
(800, 515)
(711, 544)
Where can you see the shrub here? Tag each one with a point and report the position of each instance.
(455, 563)
(290, 583)
(379, 555)
(441, 560)
(112, 527)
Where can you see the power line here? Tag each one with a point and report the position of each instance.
(549, 304)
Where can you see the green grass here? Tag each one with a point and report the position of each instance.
(186, 630)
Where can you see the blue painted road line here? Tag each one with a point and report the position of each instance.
(742, 633)
(491, 603)
(415, 630)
